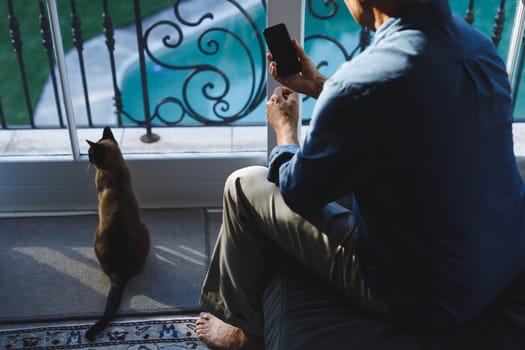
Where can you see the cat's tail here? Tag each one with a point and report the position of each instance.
(112, 304)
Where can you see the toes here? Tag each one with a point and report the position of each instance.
(205, 316)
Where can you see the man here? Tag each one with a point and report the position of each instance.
(419, 129)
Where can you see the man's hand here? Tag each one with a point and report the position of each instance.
(282, 114)
(309, 82)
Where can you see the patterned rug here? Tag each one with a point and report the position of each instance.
(165, 334)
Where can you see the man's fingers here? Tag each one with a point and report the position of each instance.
(299, 50)
(282, 91)
(291, 96)
(278, 91)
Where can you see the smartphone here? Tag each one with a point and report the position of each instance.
(281, 47)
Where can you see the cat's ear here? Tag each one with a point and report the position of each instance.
(108, 135)
(91, 143)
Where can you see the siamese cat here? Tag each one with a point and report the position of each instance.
(121, 239)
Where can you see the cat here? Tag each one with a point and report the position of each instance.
(122, 240)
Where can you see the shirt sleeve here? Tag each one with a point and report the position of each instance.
(278, 156)
(334, 158)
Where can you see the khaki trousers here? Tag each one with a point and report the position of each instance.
(257, 228)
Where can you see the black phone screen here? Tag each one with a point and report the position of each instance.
(280, 45)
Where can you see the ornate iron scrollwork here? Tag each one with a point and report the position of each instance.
(212, 77)
(332, 5)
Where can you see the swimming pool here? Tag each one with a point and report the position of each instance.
(213, 70)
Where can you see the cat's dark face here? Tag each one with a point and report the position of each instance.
(101, 152)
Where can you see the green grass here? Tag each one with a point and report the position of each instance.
(36, 63)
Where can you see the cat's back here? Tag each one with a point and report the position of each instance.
(122, 240)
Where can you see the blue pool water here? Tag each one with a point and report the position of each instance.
(222, 76)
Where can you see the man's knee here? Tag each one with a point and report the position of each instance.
(248, 177)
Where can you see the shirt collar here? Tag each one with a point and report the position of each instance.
(416, 15)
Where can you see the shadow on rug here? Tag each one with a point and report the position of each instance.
(168, 334)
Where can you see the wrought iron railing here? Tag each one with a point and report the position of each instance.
(211, 41)
(205, 31)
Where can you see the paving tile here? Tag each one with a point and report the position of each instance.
(39, 142)
(5, 139)
(179, 139)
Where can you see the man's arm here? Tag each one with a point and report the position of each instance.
(337, 156)
(309, 81)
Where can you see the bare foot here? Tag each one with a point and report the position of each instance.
(217, 334)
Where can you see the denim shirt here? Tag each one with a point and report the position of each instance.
(419, 128)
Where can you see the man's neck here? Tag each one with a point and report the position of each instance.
(380, 17)
(385, 9)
